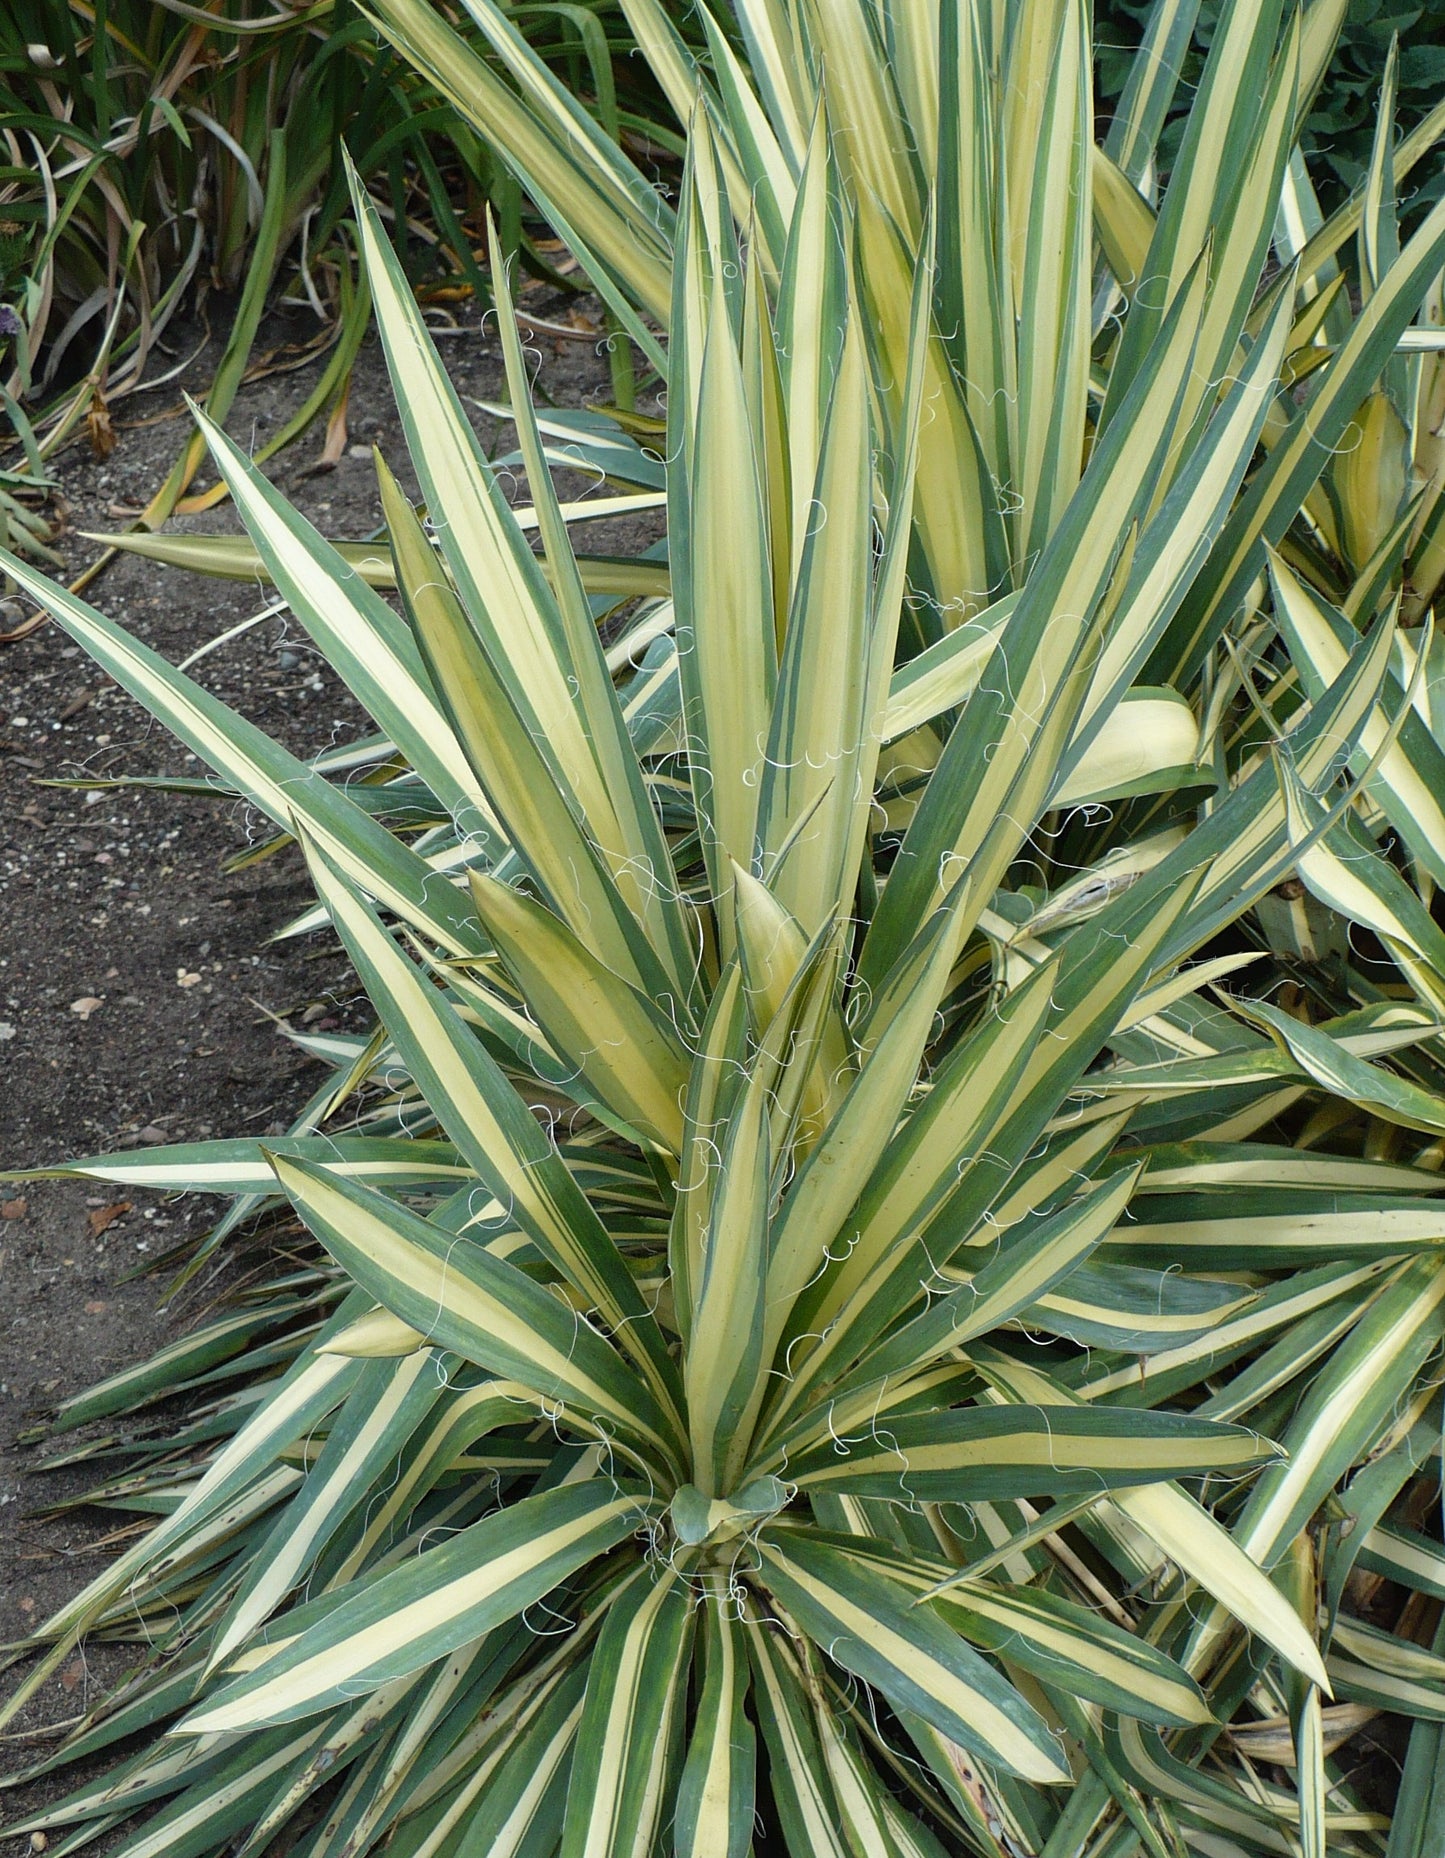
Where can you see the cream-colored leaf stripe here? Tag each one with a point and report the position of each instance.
(409, 1634)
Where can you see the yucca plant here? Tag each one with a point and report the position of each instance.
(802, 1307)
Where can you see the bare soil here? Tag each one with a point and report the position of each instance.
(140, 997)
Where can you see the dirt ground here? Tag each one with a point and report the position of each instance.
(137, 983)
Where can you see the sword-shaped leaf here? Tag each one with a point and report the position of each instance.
(641, 864)
(464, 1298)
(444, 1597)
(387, 1404)
(868, 1624)
(849, 1150)
(993, 778)
(361, 637)
(1024, 1266)
(978, 1454)
(631, 1721)
(726, 637)
(236, 1165)
(1134, 1312)
(797, 1773)
(625, 1048)
(493, 1127)
(1075, 1649)
(722, 1374)
(1407, 775)
(1274, 495)
(555, 146)
(1348, 1403)
(716, 1796)
(1190, 1537)
(820, 720)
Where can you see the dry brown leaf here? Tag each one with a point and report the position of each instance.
(104, 1216)
(99, 427)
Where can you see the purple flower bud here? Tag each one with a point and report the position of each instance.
(9, 321)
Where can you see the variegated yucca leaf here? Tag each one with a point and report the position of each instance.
(880, 1275)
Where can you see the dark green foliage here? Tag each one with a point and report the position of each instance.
(1341, 125)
